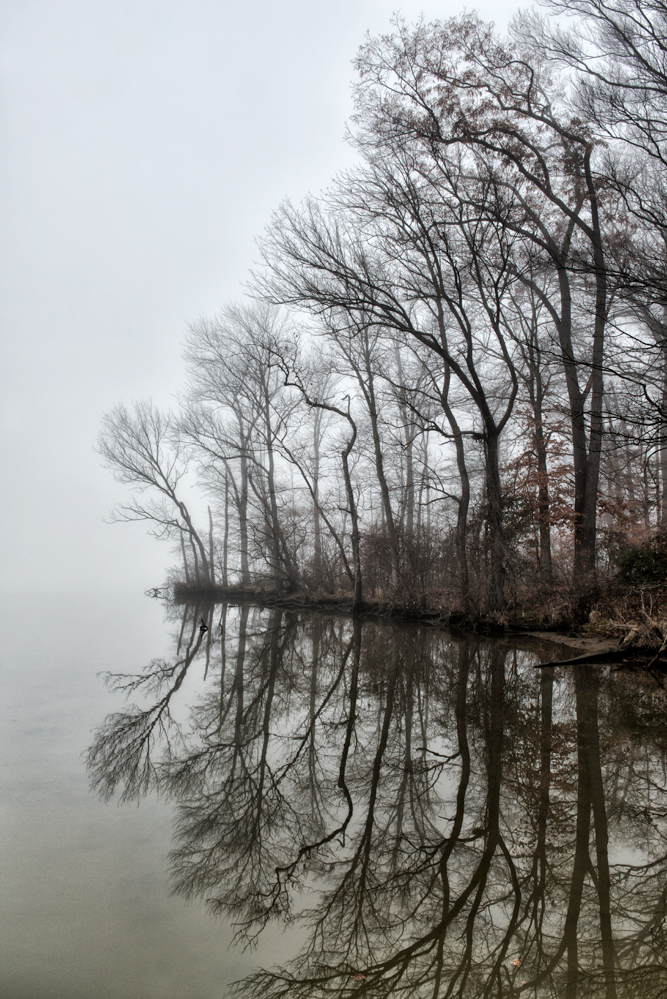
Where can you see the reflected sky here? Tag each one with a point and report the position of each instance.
(428, 815)
(86, 910)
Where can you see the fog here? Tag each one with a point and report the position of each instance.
(146, 144)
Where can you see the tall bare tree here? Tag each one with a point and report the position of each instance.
(468, 101)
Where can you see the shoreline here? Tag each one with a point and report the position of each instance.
(574, 644)
(562, 633)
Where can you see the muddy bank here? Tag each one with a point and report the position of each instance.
(577, 640)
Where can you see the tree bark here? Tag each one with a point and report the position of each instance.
(210, 547)
(496, 584)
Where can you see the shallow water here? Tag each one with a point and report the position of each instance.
(383, 810)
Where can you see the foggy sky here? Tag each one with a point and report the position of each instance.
(146, 143)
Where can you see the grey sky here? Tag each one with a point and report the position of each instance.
(146, 143)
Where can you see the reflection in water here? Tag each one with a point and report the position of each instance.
(439, 817)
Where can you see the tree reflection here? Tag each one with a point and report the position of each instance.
(440, 818)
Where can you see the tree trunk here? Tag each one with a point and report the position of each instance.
(464, 501)
(317, 521)
(283, 568)
(496, 583)
(225, 540)
(356, 539)
(409, 501)
(586, 448)
(197, 545)
(243, 518)
(185, 561)
(367, 386)
(663, 439)
(277, 561)
(543, 500)
(210, 548)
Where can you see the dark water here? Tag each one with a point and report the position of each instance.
(388, 811)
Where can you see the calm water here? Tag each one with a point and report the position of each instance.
(376, 810)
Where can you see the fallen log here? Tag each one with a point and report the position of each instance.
(636, 655)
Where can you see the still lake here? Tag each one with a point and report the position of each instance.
(309, 807)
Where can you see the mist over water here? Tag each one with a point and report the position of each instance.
(384, 810)
(86, 910)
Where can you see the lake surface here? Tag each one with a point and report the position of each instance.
(326, 809)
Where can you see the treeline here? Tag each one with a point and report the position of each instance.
(451, 384)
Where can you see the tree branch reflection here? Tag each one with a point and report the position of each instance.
(434, 816)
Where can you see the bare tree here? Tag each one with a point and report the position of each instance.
(142, 449)
(428, 275)
(463, 97)
(243, 411)
(293, 376)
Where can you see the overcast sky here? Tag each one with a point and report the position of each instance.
(146, 143)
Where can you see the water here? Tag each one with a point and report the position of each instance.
(376, 809)
(86, 910)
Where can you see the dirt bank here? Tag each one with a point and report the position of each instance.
(575, 640)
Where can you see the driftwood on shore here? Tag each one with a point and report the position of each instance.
(640, 656)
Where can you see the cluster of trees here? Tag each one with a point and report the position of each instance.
(452, 382)
(434, 815)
